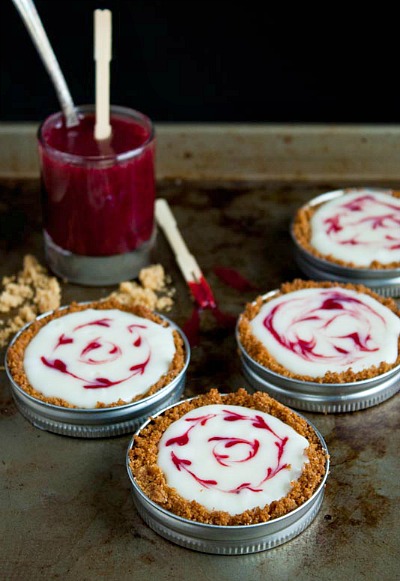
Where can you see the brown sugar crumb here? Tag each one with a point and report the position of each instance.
(153, 277)
(259, 352)
(153, 281)
(29, 293)
(14, 295)
(130, 293)
(15, 355)
(150, 478)
(301, 230)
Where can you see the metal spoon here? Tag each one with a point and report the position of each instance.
(32, 21)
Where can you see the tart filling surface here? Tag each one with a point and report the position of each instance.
(231, 458)
(228, 459)
(360, 227)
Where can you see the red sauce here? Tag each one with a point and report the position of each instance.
(234, 279)
(92, 209)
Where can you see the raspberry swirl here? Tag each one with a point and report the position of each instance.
(231, 458)
(91, 356)
(359, 228)
(315, 330)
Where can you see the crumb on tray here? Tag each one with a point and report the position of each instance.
(153, 281)
(33, 291)
(25, 295)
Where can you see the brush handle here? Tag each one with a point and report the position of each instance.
(186, 261)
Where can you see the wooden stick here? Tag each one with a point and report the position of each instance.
(102, 56)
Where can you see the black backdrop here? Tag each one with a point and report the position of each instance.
(213, 61)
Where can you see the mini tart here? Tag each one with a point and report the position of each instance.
(15, 354)
(259, 353)
(302, 232)
(151, 479)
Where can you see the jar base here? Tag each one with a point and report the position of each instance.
(97, 270)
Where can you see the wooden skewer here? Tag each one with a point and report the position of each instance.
(102, 56)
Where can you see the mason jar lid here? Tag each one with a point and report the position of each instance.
(220, 539)
(96, 422)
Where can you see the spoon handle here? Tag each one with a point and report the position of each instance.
(35, 28)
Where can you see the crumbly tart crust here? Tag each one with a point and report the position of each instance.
(301, 229)
(15, 355)
(259, 353)
(150, 478)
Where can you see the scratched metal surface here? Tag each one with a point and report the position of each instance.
(66, 507)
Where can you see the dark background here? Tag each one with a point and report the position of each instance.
(213, 61)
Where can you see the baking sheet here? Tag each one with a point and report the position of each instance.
(66, 506)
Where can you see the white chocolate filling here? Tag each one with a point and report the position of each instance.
(316, 330)
(231, 458)
(98, 356)
(358, 227)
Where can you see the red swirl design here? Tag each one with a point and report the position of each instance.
(98, 351)
(222, 448)
(387, 221)
(323, 321)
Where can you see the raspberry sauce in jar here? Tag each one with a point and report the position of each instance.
(98, 196)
